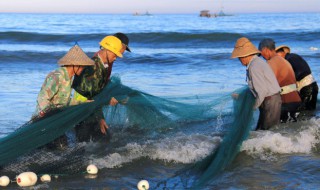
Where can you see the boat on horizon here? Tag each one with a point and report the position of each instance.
(139, 14)
(206, 13)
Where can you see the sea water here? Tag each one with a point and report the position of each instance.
(172, 56)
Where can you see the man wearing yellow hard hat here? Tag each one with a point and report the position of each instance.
(91, 82)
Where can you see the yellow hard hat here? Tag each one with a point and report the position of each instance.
(113, 44)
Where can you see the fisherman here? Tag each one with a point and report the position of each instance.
(262, 83)
(93, 80)
(307, 85)
(291, 100)
(56, 90)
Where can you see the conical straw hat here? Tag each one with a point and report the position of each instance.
(76, 56)
(285, 48)
(244, 48)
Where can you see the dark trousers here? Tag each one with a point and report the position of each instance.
(270, 111)
(89, 130)
(308, 96)
(289, 111)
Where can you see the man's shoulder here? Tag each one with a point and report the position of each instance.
(91, 70)
(257, 62)
(56, 74)
(278, 61)
(292, 57)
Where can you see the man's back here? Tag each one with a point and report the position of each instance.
(285, 76)
(299, 65)
(91, 81)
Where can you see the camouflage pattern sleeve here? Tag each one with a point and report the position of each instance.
(83, 83)
(92, 80)
(48, 90)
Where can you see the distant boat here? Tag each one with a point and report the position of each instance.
(221, 13)
(206, 13)
(139, 14)
(147, 14)
(136, 14)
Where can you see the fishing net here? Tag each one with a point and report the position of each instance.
(23, 149)
(222, 157)
(26, 148)
(203, 172)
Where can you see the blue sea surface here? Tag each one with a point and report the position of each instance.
(172, 56)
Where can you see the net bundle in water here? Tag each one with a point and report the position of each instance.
(223, 156)
(21, 150)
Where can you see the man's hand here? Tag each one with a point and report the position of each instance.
(41, 113)
(235, 96)
(113, 101)
(103, 126)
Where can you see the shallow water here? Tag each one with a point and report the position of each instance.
(172, 56)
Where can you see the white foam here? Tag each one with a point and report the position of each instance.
(124, 155)
(185, 149)
(180, 149)
(265, 143)
(313, 48)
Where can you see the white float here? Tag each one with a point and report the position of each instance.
(92, 169)
(4, 181)
(45, 178)
(26, 179)
(143, 185)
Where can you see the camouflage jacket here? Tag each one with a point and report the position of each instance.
(92, 79)
(55, 91)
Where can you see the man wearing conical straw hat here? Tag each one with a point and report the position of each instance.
(290, 97)
(307, 85)
(56, 89)
(92, 81)
(262, 83)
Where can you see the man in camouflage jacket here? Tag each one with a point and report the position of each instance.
(93, 80)
(56, 89)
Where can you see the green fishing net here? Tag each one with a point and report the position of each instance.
(222, 157)
(138, 109)
(23, 150)
(202, 174)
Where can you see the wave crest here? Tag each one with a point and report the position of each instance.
(263, 144)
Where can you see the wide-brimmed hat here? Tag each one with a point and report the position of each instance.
(75, 56)
(124, 39)
(285, 48)
(243, 48)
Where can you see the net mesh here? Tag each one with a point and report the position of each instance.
(202, 174)
(23, 149)
(231, 143)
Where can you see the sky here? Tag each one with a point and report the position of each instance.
(158, 6)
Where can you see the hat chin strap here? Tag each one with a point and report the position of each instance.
(75, 72)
